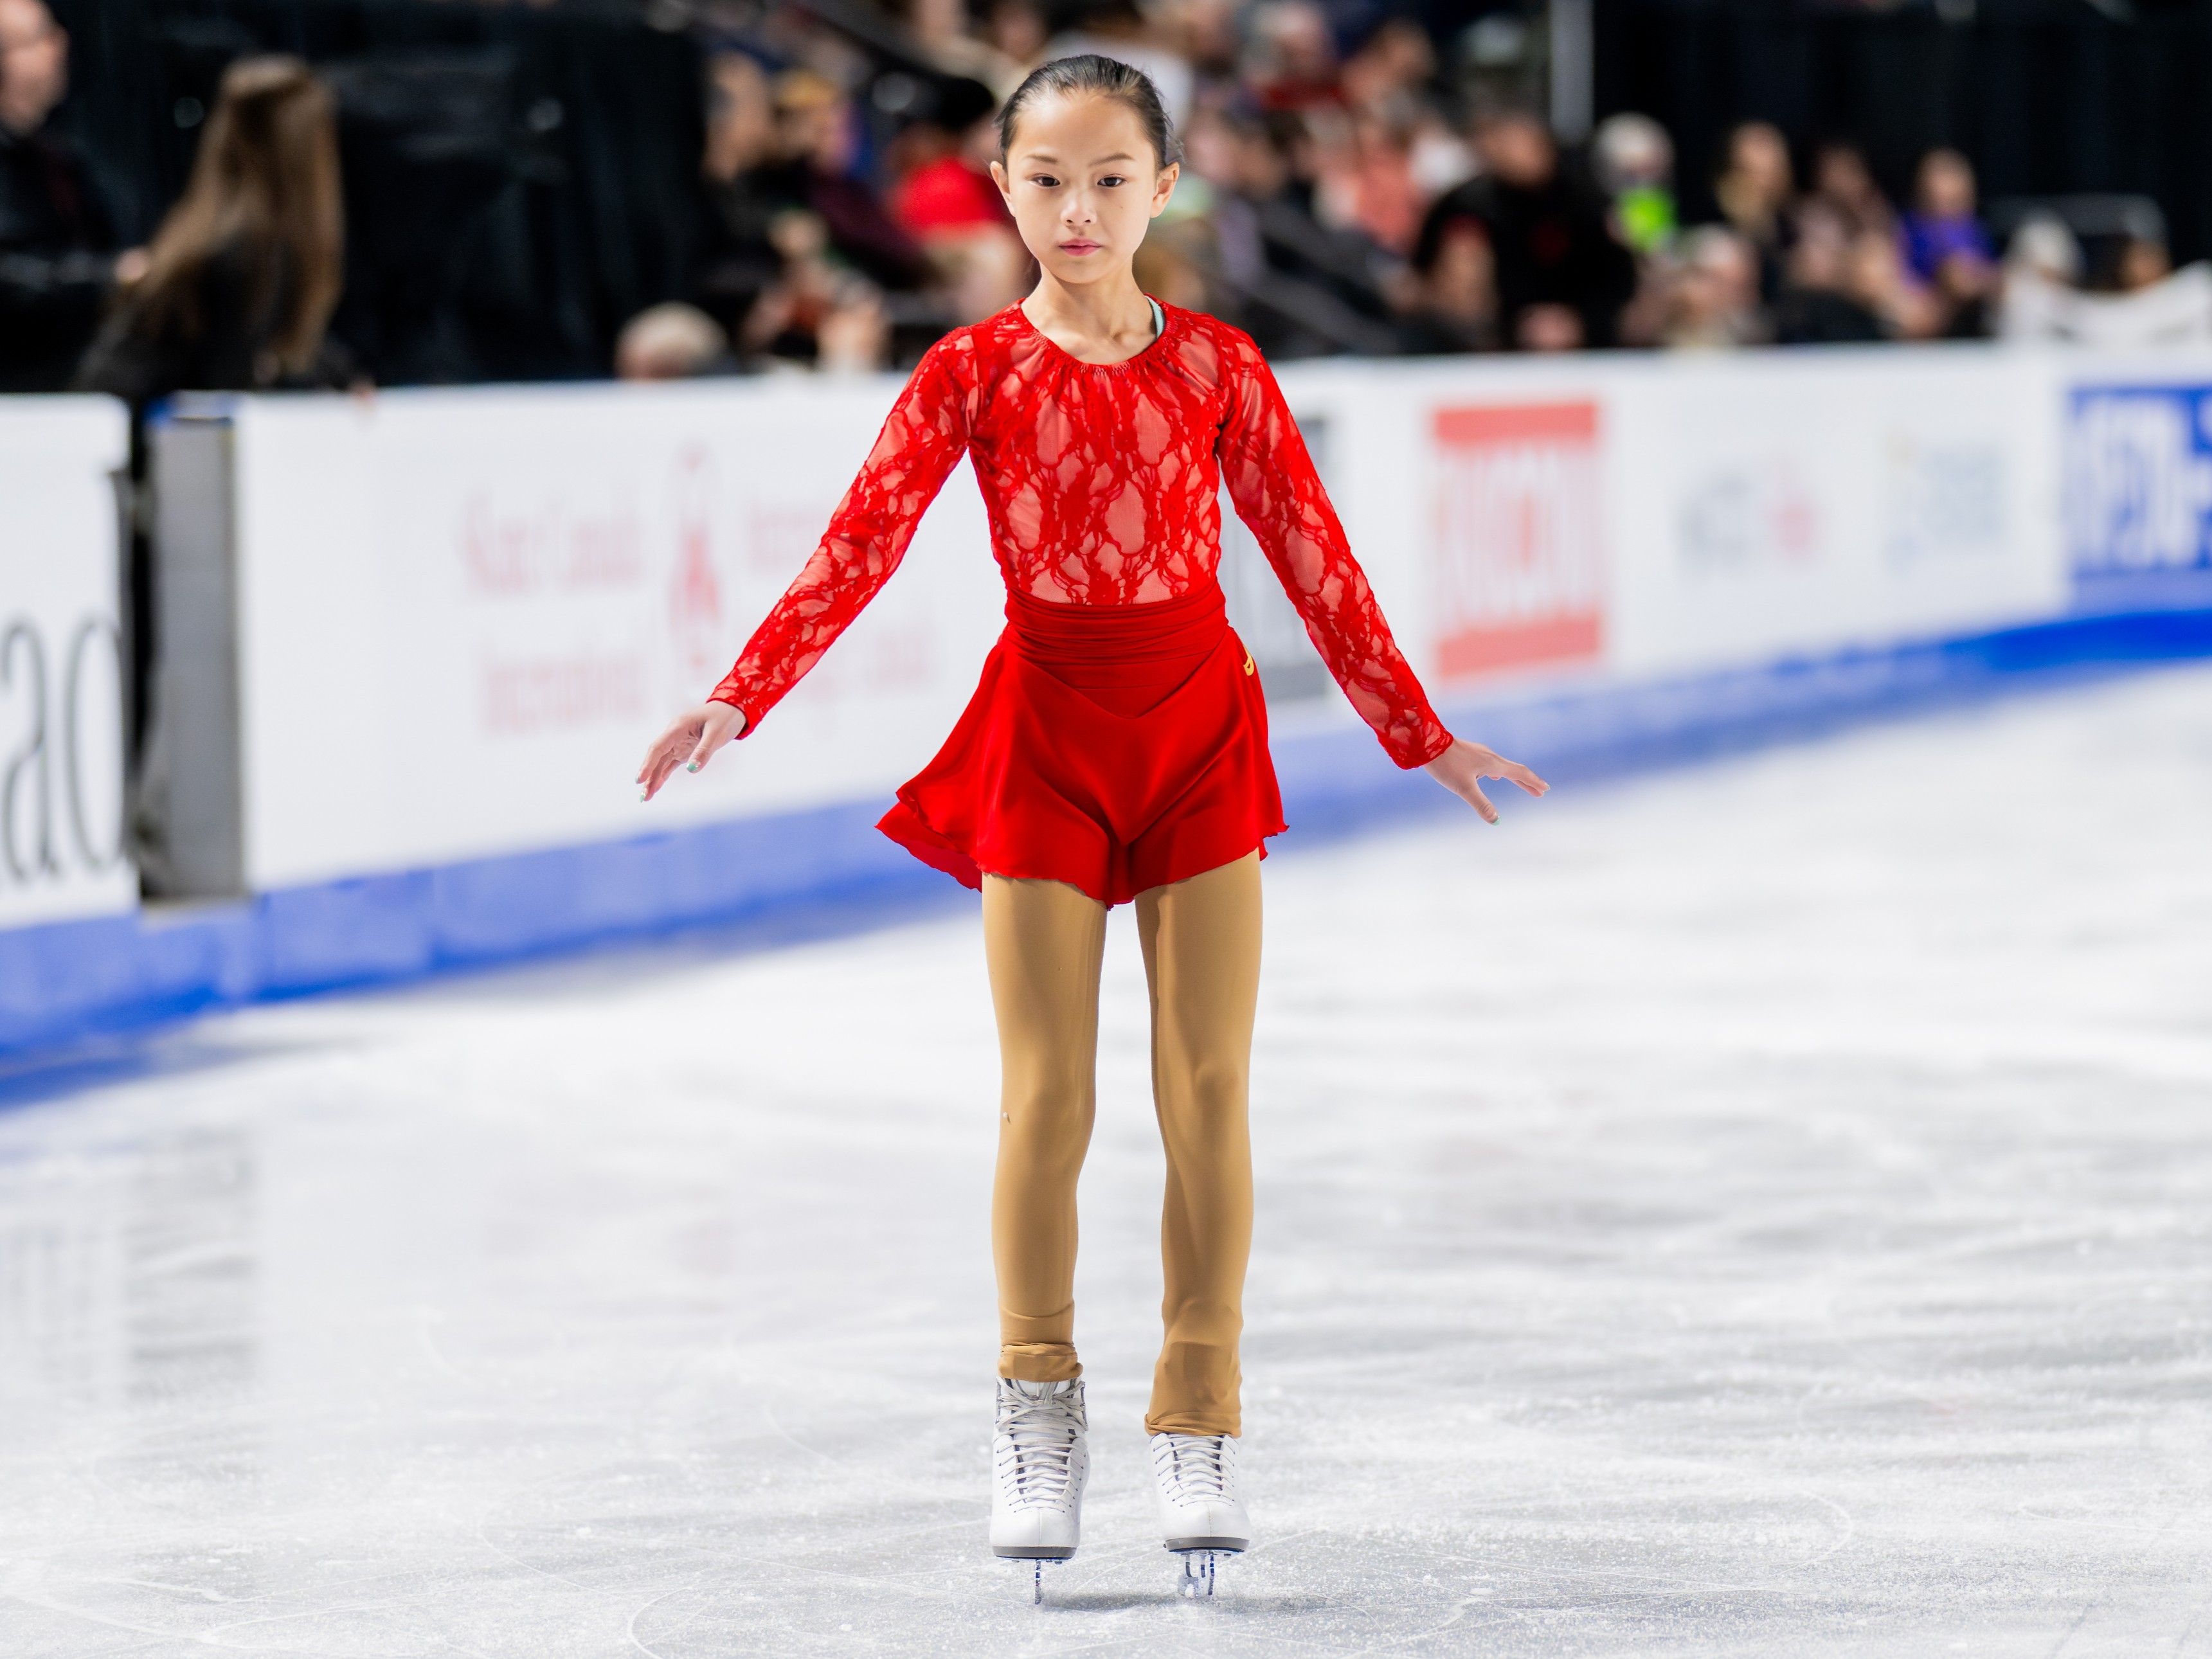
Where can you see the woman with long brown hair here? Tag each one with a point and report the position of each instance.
(243, 276)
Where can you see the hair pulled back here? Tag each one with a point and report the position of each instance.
(1098, 77)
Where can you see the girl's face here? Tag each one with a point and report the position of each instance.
(1083, 183)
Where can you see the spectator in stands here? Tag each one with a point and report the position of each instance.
(816, 147)
(1942, 225)
(1018, 31)
(2042, 267)
(944, 199)
(1842, 180)
(672, 341)
(1457, 310)
(939, 30)
(1393, 77)
(1714, 300)
(819, 312)
(1302, 289)
(737, 260)
(1635, 164)
(1209, 36)
(1634, 161)
(1117, 29)
(1758, 193)
(1880, 281)
(1563, 279)
(1363, 175)
(1292, 61)
(1945, 248)
(57, 259)
(242, 277)
(1818, 305)
(2143, 263)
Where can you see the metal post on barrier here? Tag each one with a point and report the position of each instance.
(191, 803)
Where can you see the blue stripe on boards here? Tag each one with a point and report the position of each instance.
(770, 880)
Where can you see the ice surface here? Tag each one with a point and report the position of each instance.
(1760, 1210)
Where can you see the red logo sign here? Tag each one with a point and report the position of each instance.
(1519, 568)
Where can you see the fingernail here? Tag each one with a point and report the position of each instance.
(693, 767)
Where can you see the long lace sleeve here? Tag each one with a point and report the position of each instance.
(1278, 493)
(921, 440)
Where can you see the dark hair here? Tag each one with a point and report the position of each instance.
(1102, 77)
(265, 185)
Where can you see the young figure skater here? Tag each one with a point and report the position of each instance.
(1116, 750)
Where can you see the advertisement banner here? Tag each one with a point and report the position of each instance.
(464, 614)
(2138, 499)
(1518, 542)
(1780, 507)
(61, 662)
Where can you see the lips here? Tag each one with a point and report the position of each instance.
(1079, 248)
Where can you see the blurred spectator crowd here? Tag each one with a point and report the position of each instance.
(1382, 195)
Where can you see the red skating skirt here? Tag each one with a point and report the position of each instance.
(1111, 747)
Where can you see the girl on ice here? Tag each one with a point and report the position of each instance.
(1114, 751)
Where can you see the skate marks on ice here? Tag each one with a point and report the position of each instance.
(1758, 1210)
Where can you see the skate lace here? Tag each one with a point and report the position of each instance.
(1195, 1464)
(1037, 1448)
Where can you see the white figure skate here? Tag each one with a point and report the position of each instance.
(1040, 1458)
(1201, 1503)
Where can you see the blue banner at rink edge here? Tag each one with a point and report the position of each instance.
(751, 882)
(2138, 496)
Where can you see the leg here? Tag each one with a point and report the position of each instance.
(1202, 942)
(1044, 940)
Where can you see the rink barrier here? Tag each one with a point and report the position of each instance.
(780, 878)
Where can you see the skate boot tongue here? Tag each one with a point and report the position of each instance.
(1040, 1424)
(1195, 1466)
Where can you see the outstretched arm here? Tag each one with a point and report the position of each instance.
(921, 440)
(1278, 493)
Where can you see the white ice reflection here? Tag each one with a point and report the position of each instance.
(1760, 1210)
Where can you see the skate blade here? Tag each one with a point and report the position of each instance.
(1196, 1581)
(1029, 1575)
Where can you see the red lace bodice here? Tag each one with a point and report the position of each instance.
(1103, 485)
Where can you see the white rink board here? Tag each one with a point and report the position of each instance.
(61, 711)
(465, 612)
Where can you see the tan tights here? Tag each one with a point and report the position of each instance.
(1201, 945)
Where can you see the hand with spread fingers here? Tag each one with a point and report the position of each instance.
(1461, 767)
(689, 742)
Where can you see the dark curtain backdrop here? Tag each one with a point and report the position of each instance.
(519, 182)
(2045, 98)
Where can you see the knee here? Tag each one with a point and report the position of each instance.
(1205, 1094)
(1045, 1124)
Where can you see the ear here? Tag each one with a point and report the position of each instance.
(1164, 187)
(1005, 185)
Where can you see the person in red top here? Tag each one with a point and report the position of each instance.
(1116, 750)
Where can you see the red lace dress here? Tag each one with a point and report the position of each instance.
(1118, 738)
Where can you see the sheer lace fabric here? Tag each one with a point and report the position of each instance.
(1102, 483)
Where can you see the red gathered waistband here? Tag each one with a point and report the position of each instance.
(1128, 646)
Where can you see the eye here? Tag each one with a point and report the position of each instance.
(1112, 179)
(1045, 181)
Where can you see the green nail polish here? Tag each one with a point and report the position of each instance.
(693, 767)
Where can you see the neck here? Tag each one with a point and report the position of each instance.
(1111, 307)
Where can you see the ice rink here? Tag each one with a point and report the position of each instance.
(1759, 1209)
